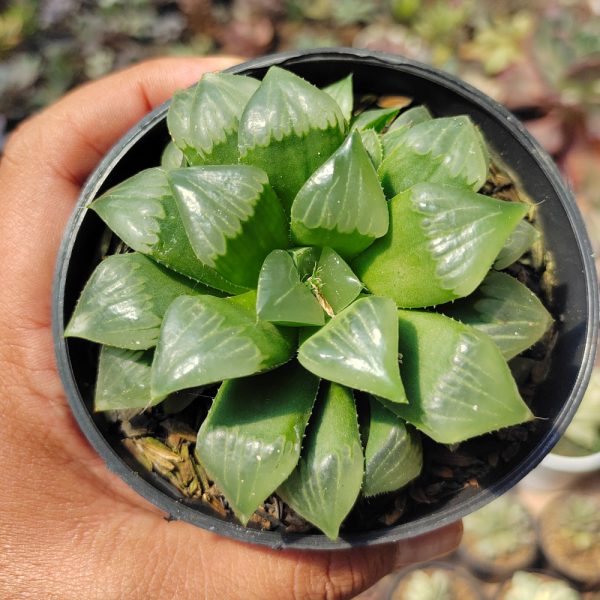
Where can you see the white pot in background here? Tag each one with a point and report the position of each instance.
(557, 471)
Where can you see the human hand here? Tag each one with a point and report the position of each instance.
(70, 529)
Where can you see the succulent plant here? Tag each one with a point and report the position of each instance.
(570, 536)
(499, 529)
(349, 12)
(404, 10)
(15, 23)
(501, 43)
(293, 252)
(432, 585)
(579, 522)
(530, 586)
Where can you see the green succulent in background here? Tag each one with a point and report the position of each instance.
(349, 12)
(16, 22)
(499, 529)
(404, 10)
(566, 47)
(501, 43)
(423, 585)
(292, 252)
(529, 586)
(444, 26)
(579, 522)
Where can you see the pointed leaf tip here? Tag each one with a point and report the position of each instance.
(358, 348)
(338, 284)
(393, 454)
(342, 204)
(444, 150)
(325, 484)
(457, 381)
(282, 297)
(142, 211)
(506, 310)
(281, 137)
(124, 380)
(447, 236)
(124, 300)
(232, 218)
(250, 441)
(204, 340)
(203, 120)
(341, 91)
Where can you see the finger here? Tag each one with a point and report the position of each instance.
(294, 575)
(269, 574)
(72, 135)
(188, 563)
(40, 174)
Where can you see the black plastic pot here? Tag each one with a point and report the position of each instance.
(576, 303)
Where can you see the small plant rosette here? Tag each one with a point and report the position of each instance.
(235, 281)
(436, 581)
(499, 539)
(536, 585)
(569, 534)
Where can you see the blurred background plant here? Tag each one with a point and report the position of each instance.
(540, 57)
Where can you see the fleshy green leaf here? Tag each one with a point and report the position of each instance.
(372, 143)
(204, 340)
(520, 240)
(124, 300)
(338, 284)
(305, 259)
(341, 92)
(251, 439)
(410, 117)
(232, 218)
(172, 157)
(279, 135)
(282, 298)
(203, 120)
(124, 379)
(457, 381)
(394, 136)
(393, 455)
(376, 118)
(328, 276)
(142, 212)
(327, 481)
(358, 348)
(441, 243)
(506, 310)
(342, 205)
(445, 150)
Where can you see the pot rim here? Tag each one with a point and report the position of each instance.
(176, 509)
